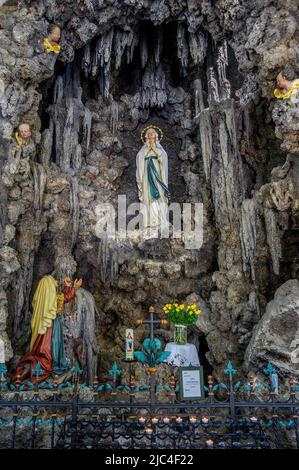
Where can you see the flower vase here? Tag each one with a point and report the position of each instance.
(180, 334)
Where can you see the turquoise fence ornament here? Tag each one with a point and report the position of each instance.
(151, 353)
(270, 369)
(114, 371)
(37, 371)
(230, 371)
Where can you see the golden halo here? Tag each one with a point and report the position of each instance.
(151, 126)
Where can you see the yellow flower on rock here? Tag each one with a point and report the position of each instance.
(51, 47)
(284, 96)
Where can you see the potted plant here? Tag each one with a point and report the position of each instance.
(181, 316)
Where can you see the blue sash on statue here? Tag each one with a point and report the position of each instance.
(154, 179)
(59, 364)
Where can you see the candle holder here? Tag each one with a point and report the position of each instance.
(210, 443)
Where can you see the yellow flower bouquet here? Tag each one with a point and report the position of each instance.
(181, 316)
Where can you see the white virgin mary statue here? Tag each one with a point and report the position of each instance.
(152, 180)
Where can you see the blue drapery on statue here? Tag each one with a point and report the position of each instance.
(154, 178)
(59, 365)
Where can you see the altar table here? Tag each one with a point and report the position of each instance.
(182, 355)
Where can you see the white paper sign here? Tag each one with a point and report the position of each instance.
(191, 383)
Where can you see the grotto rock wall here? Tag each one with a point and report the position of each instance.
(276, 336)
(230, 145)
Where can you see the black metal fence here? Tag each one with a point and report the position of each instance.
(111, 414)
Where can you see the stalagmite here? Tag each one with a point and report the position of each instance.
(102, 53)
(133, 41)
(86, 60)
(87, 121)
(158, 46)
(108, 262)
(104, 80)
(246, 121)
(273, 238)
(85, 330)
(39, 178)
(102, 56)
(68, 138)
(198, 97)
(68, 117)
(77, 157)
(143, 51)
(113, 111)
(58, 89)
(124, 41)
(206, 141)
(58, 132)
(75, 210)
(47, 144)
(95, 61)
(222, 63)
(153, 91)
(119, 46)
(104, 47)
(213, 87)
(228, 180)
(182, 45)
(223, 184)
(107, 40)
(198, 46)
(248, 235)
(76, 88)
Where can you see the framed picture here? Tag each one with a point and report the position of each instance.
(191, 383)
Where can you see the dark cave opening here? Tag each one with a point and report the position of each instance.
(200, 341)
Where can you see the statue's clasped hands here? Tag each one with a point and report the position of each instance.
(68, 282)
(77, 283)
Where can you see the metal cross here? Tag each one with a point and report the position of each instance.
(151, 322)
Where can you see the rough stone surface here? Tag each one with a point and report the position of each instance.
(231, 146)
(274, 337)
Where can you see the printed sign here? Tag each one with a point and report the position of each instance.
(191, 383)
